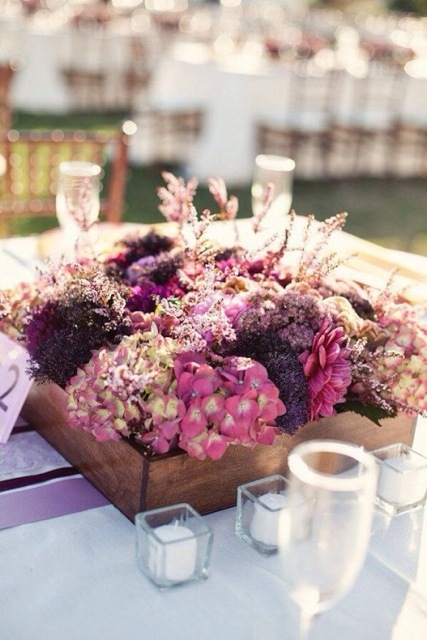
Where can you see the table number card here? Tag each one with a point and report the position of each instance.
(14, 384)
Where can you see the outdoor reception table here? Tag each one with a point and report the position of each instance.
(74, 576)
(235, 92)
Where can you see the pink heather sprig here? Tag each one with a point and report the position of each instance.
(205, 315)
(198, 330)
(314, 265)
(271, 257)
(266, 200)
(177, 198)
(199, 249)
(199, 226)
(366, 386)
(228, 206)
(203, 223)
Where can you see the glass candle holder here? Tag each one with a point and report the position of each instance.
(402, 482)
(260, 506)
(173, 545)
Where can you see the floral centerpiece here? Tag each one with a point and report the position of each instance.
(173, 341)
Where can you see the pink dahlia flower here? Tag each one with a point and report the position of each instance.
(328, 370)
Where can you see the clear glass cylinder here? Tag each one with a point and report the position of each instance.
(78, 200)
(323, 543)
(277, 171)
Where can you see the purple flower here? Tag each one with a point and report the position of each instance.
(137, 268)
(143, 298)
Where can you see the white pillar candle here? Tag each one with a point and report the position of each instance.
(264, 526)
(174, 556)
(401, 482)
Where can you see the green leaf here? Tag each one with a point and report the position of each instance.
(375, 414)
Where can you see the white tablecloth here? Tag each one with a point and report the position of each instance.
(75, 577)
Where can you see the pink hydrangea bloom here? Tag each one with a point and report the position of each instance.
(225, 405)
(405, 370)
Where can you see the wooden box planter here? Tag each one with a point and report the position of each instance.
(136, 481)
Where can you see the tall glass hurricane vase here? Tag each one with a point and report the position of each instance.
(325, 531)
(77, 205)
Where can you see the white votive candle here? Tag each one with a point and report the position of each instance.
(174, 555)
(401, 481)
(264, 526)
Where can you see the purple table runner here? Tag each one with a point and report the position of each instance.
(37, 483)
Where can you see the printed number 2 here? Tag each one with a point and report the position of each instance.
(15, 371)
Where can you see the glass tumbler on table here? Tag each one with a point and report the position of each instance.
(277, 171)
(324, 538)
(77, 204)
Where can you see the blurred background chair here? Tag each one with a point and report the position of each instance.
(362, 135)
(85, 67)
(87, 88)
(107, 64)
(168, 135)
(7, 72)
(409, 155)
(301, 132)
(29, 162)
(137, 72)
(97, 84)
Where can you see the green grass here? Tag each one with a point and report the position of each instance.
(392, 213)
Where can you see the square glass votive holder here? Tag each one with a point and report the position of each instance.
(402, 479)
(260, 504)
(173, 545)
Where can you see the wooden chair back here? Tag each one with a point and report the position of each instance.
(7, 71)
(409, 158)
(29, 162)
(378, 96)
(311, 94)
(169, 135)
(137, 76)
(302, 133)
(87, 88)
